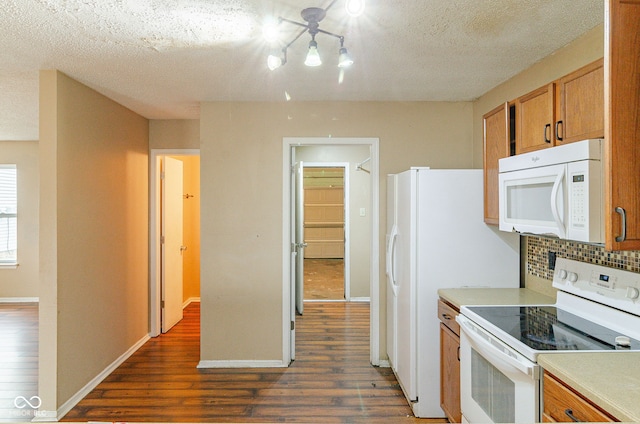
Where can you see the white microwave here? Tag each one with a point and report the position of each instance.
(556, 191)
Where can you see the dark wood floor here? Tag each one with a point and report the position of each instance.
(324, 279)
(331, 381)
(18, 360)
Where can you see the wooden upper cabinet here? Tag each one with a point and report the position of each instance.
(622, 124)
(535, 119)
(567, 110)
(580, 104)
(496, 146)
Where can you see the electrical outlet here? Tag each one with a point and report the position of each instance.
(552, 261)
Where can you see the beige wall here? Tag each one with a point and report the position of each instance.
(23, 280)
(241, 175)
(576, 54)
(174, 134)
(359, 197)
(94, 236)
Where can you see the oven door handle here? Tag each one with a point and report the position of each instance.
(493, 353)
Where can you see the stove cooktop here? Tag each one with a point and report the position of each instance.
(548, 329)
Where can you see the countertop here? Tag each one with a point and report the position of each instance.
(492, 296)
(610, 380)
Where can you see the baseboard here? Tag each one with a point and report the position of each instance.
(242, 364)
(73, 401)
(384, 363)
(360, 299)
(19, 299)
(190, 301)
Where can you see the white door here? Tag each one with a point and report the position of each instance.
(391, 268)
(172, 247)
(405, 278)
(299, 243)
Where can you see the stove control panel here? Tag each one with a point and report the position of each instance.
(610, 286)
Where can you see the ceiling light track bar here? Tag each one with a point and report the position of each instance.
(309, 29)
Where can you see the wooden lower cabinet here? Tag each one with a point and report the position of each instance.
(449, 362)
(562, 404)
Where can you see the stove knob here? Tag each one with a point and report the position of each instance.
(562, 274)
(572, 277)
(623, 341)
(633, 293)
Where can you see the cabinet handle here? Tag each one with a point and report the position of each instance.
(547, 139)
(458, 353)
(446, 316)
(569, 413)
(623, 224)
(558, 130)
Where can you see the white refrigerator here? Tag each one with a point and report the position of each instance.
(436, 238)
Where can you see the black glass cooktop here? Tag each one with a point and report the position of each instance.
(547, 328)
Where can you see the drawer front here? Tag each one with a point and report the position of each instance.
(447, 314)
(560, 403)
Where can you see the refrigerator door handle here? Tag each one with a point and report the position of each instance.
(391, 258)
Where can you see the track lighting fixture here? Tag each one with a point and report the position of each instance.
(312, 16)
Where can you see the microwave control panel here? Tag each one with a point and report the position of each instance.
(584, 201)
(579, 200)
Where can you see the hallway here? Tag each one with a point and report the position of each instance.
(331, 381)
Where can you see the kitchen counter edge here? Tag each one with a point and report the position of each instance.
(493, 296)
(609, 380)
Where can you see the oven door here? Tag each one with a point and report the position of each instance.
(497, 384)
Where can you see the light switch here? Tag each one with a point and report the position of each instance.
(363, 212)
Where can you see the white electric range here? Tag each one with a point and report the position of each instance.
(597, 309)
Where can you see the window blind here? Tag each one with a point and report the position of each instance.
(8, 214)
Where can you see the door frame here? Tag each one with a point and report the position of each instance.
(288, 143)
(155, 288)
(347, 235)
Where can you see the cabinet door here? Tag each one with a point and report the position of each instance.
(450, 374)
(561, 404)
(496, 146)
(581, 104)
(534, 118)
(622, 124)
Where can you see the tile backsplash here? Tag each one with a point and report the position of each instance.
(538, 249)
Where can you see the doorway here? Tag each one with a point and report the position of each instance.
(326, 225)
(296, 150)
(187, 244)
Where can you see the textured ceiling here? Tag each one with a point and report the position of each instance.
(161, 58)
